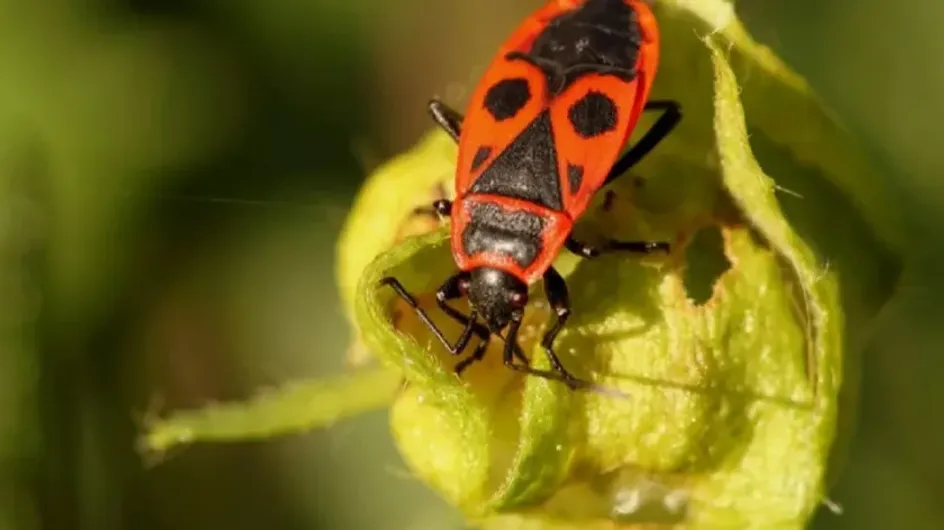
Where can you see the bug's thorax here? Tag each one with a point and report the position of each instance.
(514, 236)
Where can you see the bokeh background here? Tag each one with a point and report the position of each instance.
(173, 176)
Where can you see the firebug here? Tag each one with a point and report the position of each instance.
(543, 132)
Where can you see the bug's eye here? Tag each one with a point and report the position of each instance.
(464, 286)
(519, 300)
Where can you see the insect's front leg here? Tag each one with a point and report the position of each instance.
(557, 296)
(446, 292)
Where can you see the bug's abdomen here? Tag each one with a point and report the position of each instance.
(599, 32)
(602, 36)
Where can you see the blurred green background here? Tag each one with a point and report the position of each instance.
(173, 176)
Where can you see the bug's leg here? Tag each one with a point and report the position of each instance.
(442, 292)
(639, 247)
(446, 117)
(556, 290)
(443, 207)
(452, 291)
(476, 356)
(557, 295)
(671, 115)
(439, 208)
(480, 350)
(509, 359)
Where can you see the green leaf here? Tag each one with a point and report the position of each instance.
(545, 448)
(290, 409)
(383, 214)
(440, 414)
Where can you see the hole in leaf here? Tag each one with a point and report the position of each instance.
(705, 263)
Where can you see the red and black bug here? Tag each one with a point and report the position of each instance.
(544, 131)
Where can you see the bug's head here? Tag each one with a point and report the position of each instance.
(496, 295)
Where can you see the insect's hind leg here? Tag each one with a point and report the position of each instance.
(671, 116)
(446, 117)
(612, 245)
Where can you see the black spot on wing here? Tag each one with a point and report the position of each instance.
(526, 169)
(515, 234)
(506, 97)
(481, 155)
(574, 177)
(593, 115)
